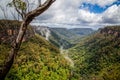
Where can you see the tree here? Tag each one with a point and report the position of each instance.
(20, 7)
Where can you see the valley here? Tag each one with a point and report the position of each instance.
(98, 55)
(94, 55)
(62, 54)
(63, 36)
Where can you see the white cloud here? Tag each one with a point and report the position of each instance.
(103, 3)
(64, 11)
(112, 14)
(68, 12)
(87, 17)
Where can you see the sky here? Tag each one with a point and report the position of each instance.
(79, 13)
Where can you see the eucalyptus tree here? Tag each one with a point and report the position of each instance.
(27, 16)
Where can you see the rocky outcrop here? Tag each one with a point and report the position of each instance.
(9, 30)
(114, 31)
(43, 31)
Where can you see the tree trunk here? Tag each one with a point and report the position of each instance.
(13, 52)
(16, 46)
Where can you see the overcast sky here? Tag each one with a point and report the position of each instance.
(79, 13)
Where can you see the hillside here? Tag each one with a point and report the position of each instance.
(37, 59)
(82, 31)
(62, 36)
(69, 37)
(97, 57)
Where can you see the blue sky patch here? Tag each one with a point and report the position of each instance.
(94, 8)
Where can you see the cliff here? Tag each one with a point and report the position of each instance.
(9, 30)
(111, 30)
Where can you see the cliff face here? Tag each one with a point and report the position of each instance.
(114, 31)
(9, 30)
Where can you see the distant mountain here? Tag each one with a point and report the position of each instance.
(63, 36)
(64, 32)
(98, 55)
(81, 31)
(57, 36)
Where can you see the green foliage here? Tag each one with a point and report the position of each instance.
(3, 53)
(63, 37)
(19, 4)
(98, 56)
(37, 60)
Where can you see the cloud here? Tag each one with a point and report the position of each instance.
(67, 13)
(86, 17)
(63, 11)
(112, 15)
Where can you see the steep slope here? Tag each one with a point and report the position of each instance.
(57, 36)
(71, 36)
(62, 36)
(98, 56)
(37, 60)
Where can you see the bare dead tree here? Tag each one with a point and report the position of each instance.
(27, 18)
